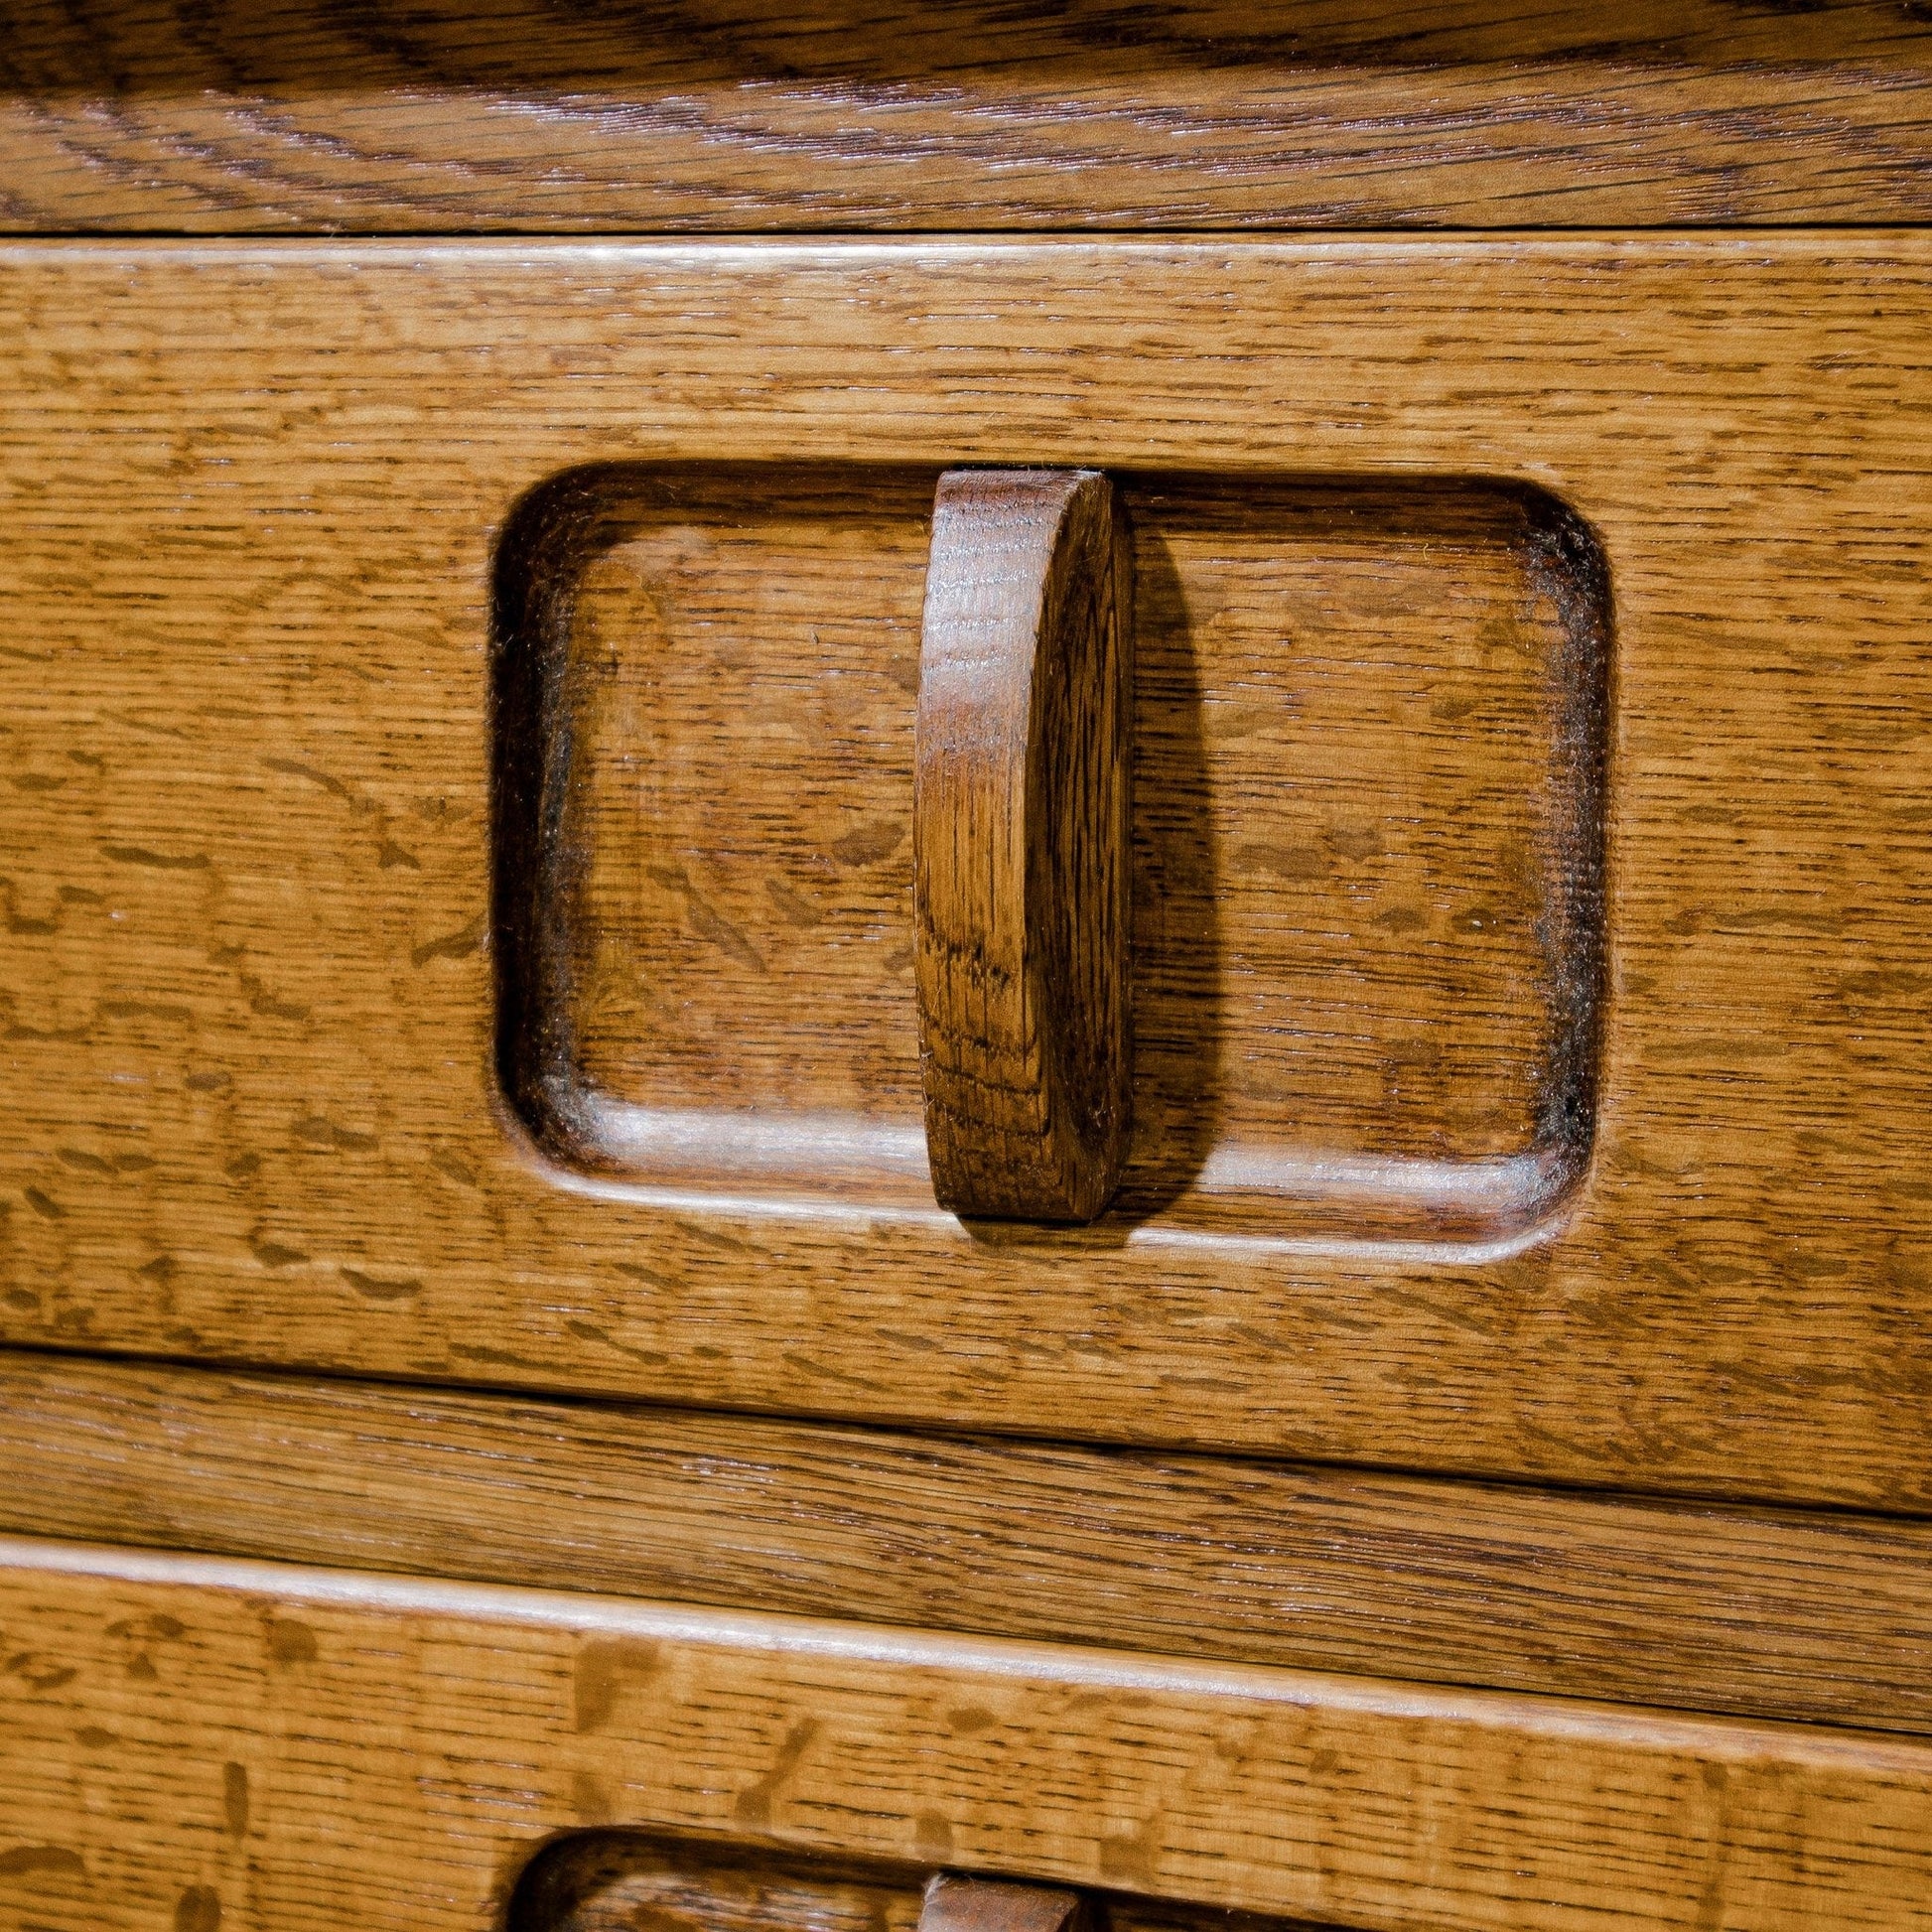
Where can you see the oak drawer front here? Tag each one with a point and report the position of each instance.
(209, 1743)
(258, 498)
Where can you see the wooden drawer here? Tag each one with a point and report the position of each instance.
(465, 1190)
(1633, 742)
(486, 720)
(208, 1741)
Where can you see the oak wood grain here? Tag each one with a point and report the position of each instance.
(1370, 726)
(1813, 1617)
(252, 494)
(1022, 844)
(258, 1745)
(288, 115)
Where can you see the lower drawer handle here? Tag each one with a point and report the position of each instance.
(1021, 843)
(993, 1905)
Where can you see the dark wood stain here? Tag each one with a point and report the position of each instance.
(340, 117)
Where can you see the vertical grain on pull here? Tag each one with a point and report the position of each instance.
(989, 1905)
(1020, 843)
(332, 115)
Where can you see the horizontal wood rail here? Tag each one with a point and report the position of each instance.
(1750, 1612)
(329, 115)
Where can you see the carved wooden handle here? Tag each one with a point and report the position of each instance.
(1020, 843)
(994, 1905)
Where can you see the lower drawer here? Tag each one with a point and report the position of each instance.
(215, 1744)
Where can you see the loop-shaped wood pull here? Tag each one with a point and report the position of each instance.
(954, 1904)
(1021, 827)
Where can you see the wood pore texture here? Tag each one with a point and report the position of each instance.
(253, 499)
(1023, 844)
(249, 116)
(1820, 1617)
(456, 926)
(1367, 839)
(223, 1744)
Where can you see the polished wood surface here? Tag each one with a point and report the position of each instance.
(468, 918)
(1022, 844)
(252, 499)
(340, 115)
(258, 1745)
(1813, 1616)
(1369, 726)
